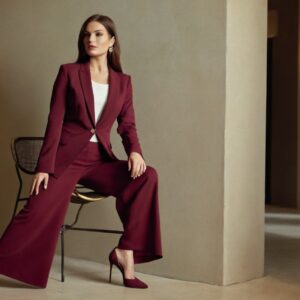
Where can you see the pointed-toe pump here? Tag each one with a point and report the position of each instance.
(128, 282)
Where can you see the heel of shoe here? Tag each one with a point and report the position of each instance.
(131, 283)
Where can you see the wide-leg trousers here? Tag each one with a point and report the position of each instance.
(28, 244)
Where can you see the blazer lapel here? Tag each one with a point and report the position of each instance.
(86, 85)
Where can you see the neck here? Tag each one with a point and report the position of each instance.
(98, 64)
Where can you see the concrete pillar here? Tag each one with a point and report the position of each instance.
(245, 122)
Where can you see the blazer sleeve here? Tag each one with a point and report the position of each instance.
(46, 160)
(126, 123)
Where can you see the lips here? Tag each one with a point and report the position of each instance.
(91, 46)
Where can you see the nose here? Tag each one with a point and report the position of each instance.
(91, 37)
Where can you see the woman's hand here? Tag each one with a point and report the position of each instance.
(136, 164)
(38, 179)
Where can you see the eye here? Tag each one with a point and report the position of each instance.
(98, 34)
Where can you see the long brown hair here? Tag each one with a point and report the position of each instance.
(113, 58)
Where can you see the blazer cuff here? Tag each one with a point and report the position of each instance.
(135, 149)
(44, 169)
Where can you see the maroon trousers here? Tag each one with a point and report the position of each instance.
(28, 244)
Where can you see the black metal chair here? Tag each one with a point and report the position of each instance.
(25, 152)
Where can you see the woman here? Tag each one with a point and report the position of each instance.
(87, 97)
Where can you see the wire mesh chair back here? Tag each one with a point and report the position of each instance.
(25, 151)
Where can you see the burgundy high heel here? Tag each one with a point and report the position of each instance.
(132, 283)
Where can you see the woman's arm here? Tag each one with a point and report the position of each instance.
(47, 154)
(126, 124)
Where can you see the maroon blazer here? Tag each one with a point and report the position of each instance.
(71, 120)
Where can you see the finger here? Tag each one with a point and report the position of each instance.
(137, 170)
(133, 171)
(32, 186)
(129, 164)
(140, 172)
(37, 186)
(46, 182)
(144, 168)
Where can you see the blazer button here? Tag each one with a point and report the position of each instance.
(93, 130)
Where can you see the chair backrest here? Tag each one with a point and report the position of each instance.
(25, 152)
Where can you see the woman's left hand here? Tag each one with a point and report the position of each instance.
(136, 164)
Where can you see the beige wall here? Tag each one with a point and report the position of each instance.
(191, 100)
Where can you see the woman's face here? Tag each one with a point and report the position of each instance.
(96, 39)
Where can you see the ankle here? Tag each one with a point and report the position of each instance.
(125, 251)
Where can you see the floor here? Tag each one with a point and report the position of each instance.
(282, 279)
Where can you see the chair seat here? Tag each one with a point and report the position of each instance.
(86, 197)
(83, 194)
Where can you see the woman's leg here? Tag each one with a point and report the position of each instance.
(28, 243)
(136, 203)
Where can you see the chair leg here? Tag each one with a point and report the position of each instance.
(19, 192)
(15, 210)
(62, 230)
(62, 252)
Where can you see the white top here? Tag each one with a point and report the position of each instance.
(100, 91)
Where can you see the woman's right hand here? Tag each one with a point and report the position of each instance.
(37, 180)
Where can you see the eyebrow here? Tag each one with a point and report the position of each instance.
(95, 30)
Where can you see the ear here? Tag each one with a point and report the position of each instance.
(113, 39)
